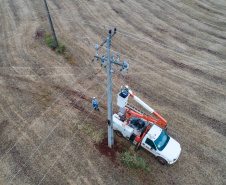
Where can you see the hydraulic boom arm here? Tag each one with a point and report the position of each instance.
(161, 121)
(130, 113)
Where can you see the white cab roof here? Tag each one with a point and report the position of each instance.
(154, 132)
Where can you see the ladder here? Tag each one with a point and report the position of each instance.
(131, 107)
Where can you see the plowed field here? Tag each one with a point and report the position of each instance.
(176, 50)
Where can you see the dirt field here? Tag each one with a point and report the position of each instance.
(176, 50)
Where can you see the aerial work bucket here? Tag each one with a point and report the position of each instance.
(121, 102)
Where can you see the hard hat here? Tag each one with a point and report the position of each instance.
(126, 87)
(93, 97)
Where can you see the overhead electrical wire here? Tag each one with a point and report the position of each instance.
(49, 133)
(73, 136)
(162, 46)
(171, 73)
(49, 108)
(167, 12)
(39, 118)
(82, 73)
(63, 149)
(142, 39)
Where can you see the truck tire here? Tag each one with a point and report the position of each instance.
(161, 161)
(118, 133)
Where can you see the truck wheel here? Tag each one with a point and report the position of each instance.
(118, 133)
(161, 161)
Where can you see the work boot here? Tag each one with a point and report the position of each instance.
(98, 109)
(95, 108)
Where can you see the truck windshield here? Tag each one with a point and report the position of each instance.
(162, 141)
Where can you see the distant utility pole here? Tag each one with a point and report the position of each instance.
(51, 24)
(110, 61)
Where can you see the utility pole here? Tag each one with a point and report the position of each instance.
(110, 60)
(51, 25)
(109, 90)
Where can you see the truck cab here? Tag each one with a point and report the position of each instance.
(161, 145)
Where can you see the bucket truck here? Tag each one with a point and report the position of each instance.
(145, 131)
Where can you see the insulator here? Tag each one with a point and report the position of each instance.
(125, 66)
(112, 57)
(103, 61)
(96, 56)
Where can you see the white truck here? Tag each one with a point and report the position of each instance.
(145, 131)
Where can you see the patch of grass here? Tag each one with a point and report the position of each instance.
(50, 41)
(132, 161)
(98, 136)
(131, 149)
(67, 55)
(86, 128)
(71, 61)
(45, 100)
(61, 49)
(124, 149)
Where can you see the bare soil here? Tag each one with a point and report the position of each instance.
(176, 51)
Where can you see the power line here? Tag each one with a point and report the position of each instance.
(188, 7)
(185, 10)
(38, 119)
(139, 83)
(49, 135)
(98, 25)
(152, 44)
(188, 141)
(49, 108)
(73, 136)
(198, 21)
(219, 90)
(163, 46)
(157, 44)
(141, 39)
(87, 23)
(59, 156)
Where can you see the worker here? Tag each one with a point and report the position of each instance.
(95, 104)
(125, 91)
